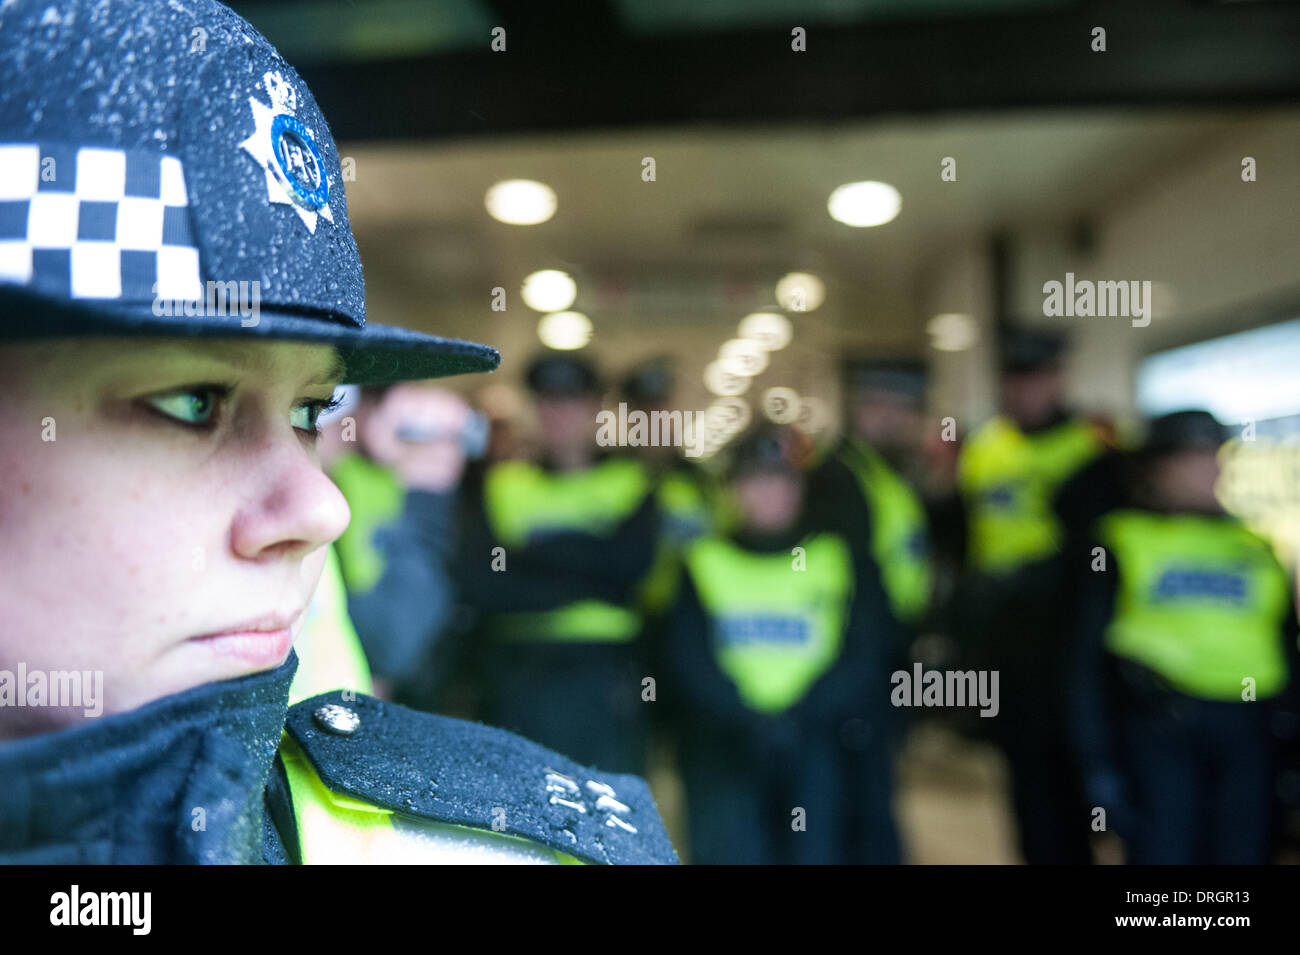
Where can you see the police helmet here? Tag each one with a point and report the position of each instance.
(1191, 430)
(158, 160)
(766, 449)
(561, 376)
(903, 377)
(650, 382)
(1023, 350)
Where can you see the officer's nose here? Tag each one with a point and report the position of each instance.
(294, 507)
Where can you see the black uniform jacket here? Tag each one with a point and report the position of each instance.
(193, 778)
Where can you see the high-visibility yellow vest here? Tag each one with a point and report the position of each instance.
(1201, 602)
(1009, 480)
(375, 497)
(683, 503)
(330, 656)
(684, 514)
(900, 538)
(337, 829)
(594, 621)
(525, 502)
(775, 628)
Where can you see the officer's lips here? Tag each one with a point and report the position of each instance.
(262, 642)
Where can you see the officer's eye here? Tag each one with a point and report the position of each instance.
(305, 416)
(195, 406)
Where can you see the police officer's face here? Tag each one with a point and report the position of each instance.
(886, 420)
(1032, 397)
(1186, 480)
(567, 423)
(769, 502)
(163, 515)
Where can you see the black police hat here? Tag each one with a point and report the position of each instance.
(766, 449)
(1023, 350)
(650, 382)
(904, 377)
(1191, 430)
(160, 160)
(562, 375)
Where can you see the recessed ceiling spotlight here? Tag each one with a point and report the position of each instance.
(863, 204)
(520, 202)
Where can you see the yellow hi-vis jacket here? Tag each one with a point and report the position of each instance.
(524, 501)
(1201, 601)
(1009, 480)
(777, 619)
(899, 531)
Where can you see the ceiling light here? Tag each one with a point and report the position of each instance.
(952, 331)
(771, 330)
(781, 405)
(564, 331)
(719, 381)
(862, 204)
(728, 416)
(800, 292)
(740, 356)
(520, 202)
(549, 290)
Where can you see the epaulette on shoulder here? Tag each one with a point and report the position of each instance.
(467, 774)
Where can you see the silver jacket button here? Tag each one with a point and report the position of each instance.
(337, 719)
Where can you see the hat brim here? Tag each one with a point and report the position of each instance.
(372, 355)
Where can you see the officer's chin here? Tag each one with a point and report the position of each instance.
(241, 652)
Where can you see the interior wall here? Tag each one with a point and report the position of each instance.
(1221, 254)
(963, 383)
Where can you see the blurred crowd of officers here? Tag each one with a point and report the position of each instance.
(748, 617)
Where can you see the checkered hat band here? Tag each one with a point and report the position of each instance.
(93, 223)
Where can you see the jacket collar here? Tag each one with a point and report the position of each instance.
(179, 780)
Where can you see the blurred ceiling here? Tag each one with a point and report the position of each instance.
(749, 138)
(732, 210)
(413, 69)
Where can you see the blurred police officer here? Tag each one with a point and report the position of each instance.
(868, 486)
(684, 496)
(397, 455)
(778, 636)
(553, 553)
(1009, 475)
(866, 489)
(1186, 642)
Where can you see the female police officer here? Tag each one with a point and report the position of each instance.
(163, 518)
